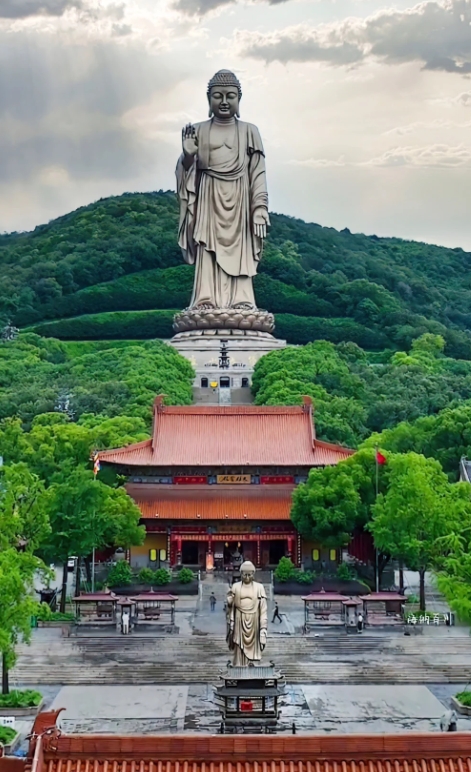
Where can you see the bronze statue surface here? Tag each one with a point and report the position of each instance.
(247, 618)
(221, 186)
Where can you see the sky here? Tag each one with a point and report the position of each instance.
(364, 106)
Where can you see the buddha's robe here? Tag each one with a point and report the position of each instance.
(218, 196)
(247, 616)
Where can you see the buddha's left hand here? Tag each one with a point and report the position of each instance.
(260, 222)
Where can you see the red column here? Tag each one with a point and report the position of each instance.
(172, 555)
(291, 548)
(259, 556)
(179, 550)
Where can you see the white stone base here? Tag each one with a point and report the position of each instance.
(244, 351)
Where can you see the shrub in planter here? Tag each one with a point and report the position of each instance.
(7, 735)
(285, 570)
(120, 575)
(24, 698)
(44, 613)
(146, 576)
(162, 576)
(344, 573)
(185, 576)
(304, 577)
(58, 616)
(464, 698)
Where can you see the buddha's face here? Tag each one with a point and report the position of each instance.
(224, 102)
(247, 577)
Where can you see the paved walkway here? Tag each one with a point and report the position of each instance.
(152, 683)
(375, 709)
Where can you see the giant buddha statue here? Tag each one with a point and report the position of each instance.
(222, 190)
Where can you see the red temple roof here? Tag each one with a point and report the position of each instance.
(242, 436)
(429, 752)
(209, 502)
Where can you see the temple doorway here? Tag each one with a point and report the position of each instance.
(233, 554)
(278, 548)
(190, 553)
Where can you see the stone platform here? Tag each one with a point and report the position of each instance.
(244, 347)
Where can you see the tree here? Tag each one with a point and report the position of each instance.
(454, 564)
(335, 501)
(24, 525)
(325, 509)
(416, 512)
(17, 606)
(24, 521)
(86, 514)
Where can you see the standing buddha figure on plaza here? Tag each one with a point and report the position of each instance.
(222, 190)
(247, 618)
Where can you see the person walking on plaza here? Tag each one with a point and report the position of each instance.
(276, 613)
(212, 601)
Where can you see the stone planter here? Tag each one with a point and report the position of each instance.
(465, 710)
(55, 623)
(18, 712)
(172, 588)
(329, 585)
(10, 747)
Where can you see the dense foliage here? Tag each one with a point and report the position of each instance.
(354, 396)
(414, 513)
(39, 375)
(121, 254)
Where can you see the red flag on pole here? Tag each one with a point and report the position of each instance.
(380, 459)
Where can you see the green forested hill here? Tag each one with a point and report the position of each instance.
(120, 255)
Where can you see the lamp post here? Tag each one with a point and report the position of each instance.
(224, 360)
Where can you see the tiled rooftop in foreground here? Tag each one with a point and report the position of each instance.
(51, 751)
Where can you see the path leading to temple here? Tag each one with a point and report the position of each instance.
(438, 656)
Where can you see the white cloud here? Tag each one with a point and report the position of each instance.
(319, 163)
(460, 100)
(428, 156)
(444, 156)
(435, 34)
(437, 124)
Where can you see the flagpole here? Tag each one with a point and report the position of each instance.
(96, 469)
(377, 491)
(93, 569)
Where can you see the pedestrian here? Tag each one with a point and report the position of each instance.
(360, 622)
(276, 613)
(212, 601)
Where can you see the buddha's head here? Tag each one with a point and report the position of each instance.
(247, 572)
(224, 95)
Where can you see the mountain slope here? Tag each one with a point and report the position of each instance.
(121, 254)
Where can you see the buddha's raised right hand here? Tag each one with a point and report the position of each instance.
(189, 140)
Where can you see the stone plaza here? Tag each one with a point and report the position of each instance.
(377, 682)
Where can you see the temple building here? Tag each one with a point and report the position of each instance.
(214, 484)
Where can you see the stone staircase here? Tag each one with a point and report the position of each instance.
(140, 659)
